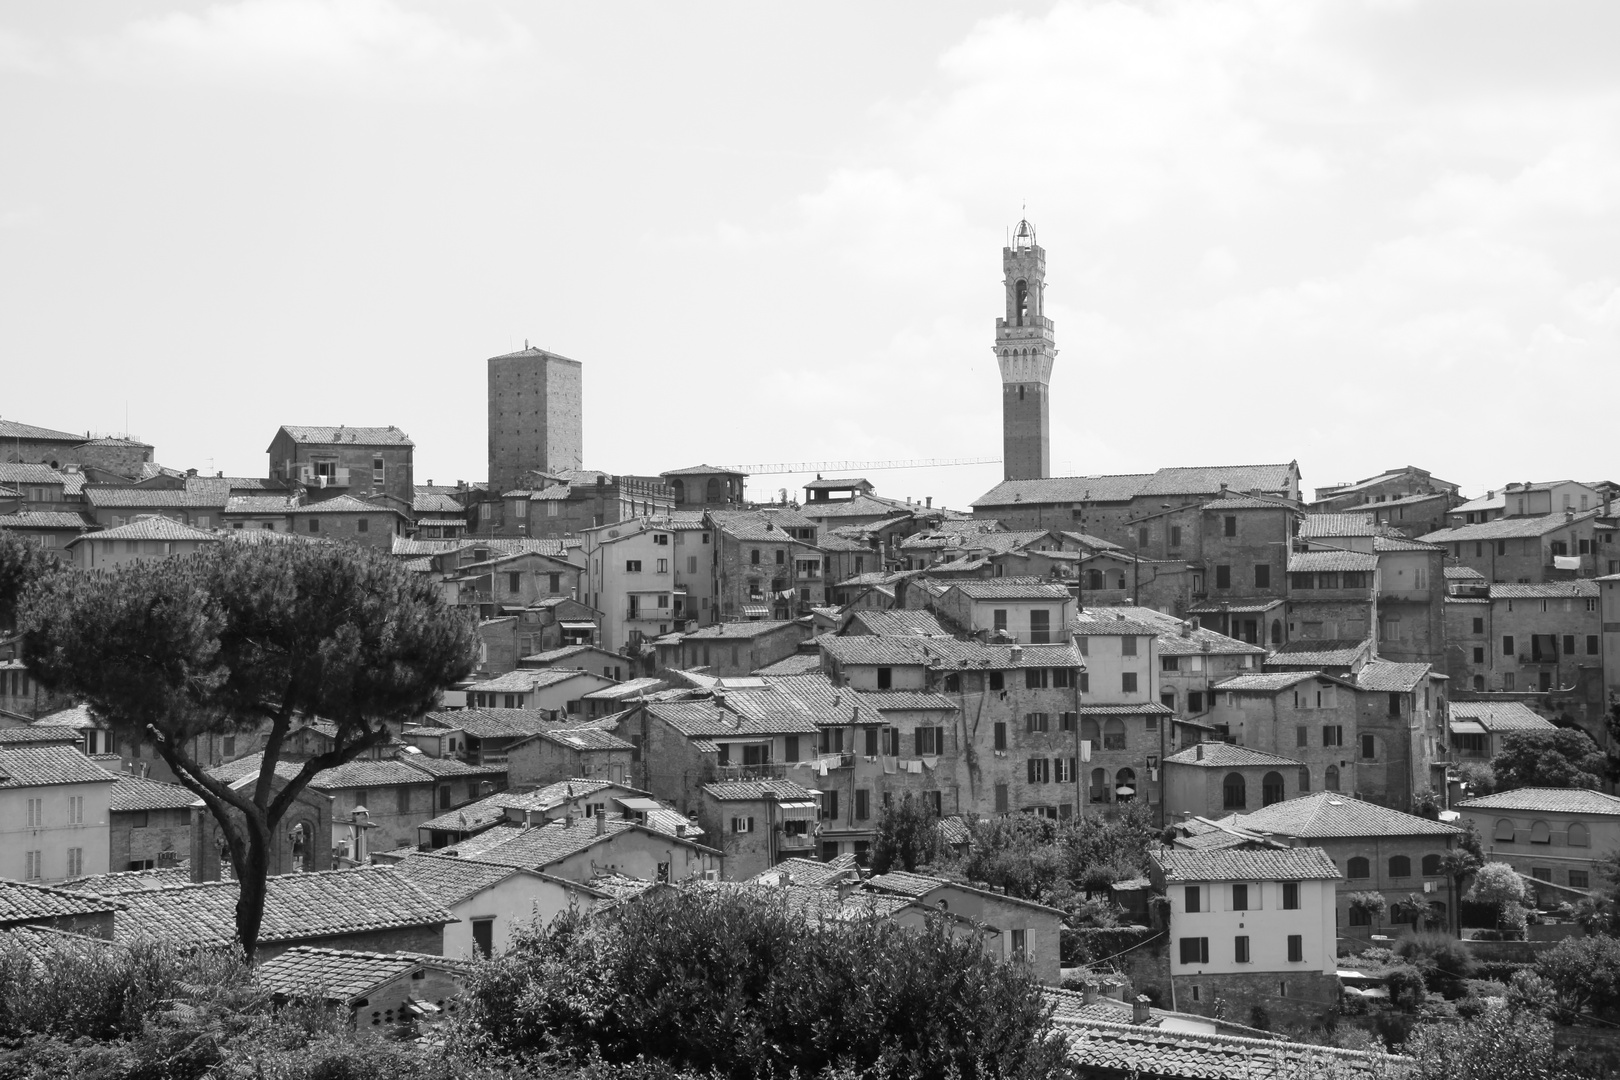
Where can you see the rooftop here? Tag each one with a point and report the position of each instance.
(1327, 652)
(1506, 528)
(338, 974)
(450, 880)
(1500, 715)
(1330, 814)
(21, 901)
(758, 790)
(1386, 675)
(358, 436)
(1544, 590)
(150, 528)
(11, 429)
(1220, 755)
(1547, 800)
(1231, 864)
(1332, 562)
(132, 793)
(40, 766)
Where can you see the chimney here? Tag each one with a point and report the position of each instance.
(1198, 752)
(1139, 1009)
(680, 829)
(601, 823)
(528, 819)
(1088, 993)
(362, 820)
(929, 505)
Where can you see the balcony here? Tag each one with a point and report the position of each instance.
(329, 477)
(768, 770)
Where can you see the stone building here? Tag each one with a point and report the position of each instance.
(1519, 638)
(1529, 549)
(1554, 835)
(766, 564)
(536, 407)
(735, 649)
(1375, 492)
(564, 752)
(567, 504)
(1305, 716)
(705, 487)
(348, 519)
(32, 445)
(149, 824)
(1025, 349)
(629, 576)
(53, 801)
(358, 461)
(1216, 779)
(758, 823)
(1029, 932)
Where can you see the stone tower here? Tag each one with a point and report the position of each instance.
(535, 401)
(1025, 350)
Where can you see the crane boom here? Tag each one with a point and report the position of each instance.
(854, 466)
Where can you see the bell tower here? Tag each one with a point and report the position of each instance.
(1025, 350)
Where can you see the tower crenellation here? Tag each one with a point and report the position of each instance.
(1025, 348)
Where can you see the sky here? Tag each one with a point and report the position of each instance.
(1355, 235)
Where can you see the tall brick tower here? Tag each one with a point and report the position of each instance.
(1025, 350)
(535, 402)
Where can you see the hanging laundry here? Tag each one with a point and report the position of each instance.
(1567, 562)
(930, 762)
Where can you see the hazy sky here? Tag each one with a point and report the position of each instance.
(1359, 235)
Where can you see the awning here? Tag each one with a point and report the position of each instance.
(642, 805)
(798, 811)
(578, 626)
(1467, 727)
(1124, 789)
(756, 611)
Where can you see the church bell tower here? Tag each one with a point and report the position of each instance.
(1025, 350)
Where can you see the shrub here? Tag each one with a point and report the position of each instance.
(738, 985)
(1096, 944)
(1584, 973)
(1444, 960)
(1497, 1043)
(1501, 971)
(1407, 988)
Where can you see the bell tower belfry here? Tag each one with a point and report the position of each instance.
(1025, 350)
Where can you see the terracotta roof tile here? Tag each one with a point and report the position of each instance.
(138, 793)
(757, 790)
(1330, 814)
(357, 436)
(336, 974)
(1265, 864)
(21, 902)
(1500, 715)
(1220, 755)
(46, 765)
(1553, 800)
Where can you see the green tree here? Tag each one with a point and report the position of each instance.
(1371, 904)
(22, 563)
(735, 984)
(907, 836)
(1459, 864)
(1583, 974)
(249, 638)
(1497, 884)
(1500, 1044)
(1560, 758)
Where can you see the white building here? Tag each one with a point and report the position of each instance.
(630, 578)
(53, 814)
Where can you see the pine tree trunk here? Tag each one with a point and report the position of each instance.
(251, 880)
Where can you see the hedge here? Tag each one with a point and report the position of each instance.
(1096, 944)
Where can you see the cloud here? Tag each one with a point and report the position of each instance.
(364, 47)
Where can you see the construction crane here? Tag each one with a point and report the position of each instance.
(856, 466)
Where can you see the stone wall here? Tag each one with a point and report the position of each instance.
(150, 838)
(1261, 999)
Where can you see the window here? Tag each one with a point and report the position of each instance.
(484, 931)
(1504, 831)
(1591, 644)
(1296, 948)
(1507, 680)
(1038, 770)
(1195, 950)
(1235, 791)
(829, 805)
(663, 566)
(1194, 897)
(1175, 536)
(1127, 646)
(1169, 663)
(997, 681)
(377, 470)
(554, 583)
(1330, 778)
(33, 870)
(1400, 866)
(75, 867)
(1541, 873)
(1001, 798)
(138, 819)
(1240, 897)
(661, 539)
(1195, 701)
(1271, 789)
(1036, 721)
(781, 557)
(76, 810)
(1066, 721)
(1113, 736)
(1507, 644)
(1359, 917)
(863, 804)
(1223, 577)
(1540, 833)
(1304, 779)
(314, 524)
(999, 619)
(36, 813)
(1302, 735)
(753, 557)
(1040, 627)
(885, 678)
(1127, 682)
(1262, 576)
(790, 748)
(632, 566)
(1578, 879)
(930, 741)
(362, 524)
(404, 799)
(1479, 654)
(1062, 678)
(1369, 748)
(1358, 868)
(1240, 949)
(1035, 678)
(1332, 735)
(1229, 525)
(1431, 866)
(1578, 836)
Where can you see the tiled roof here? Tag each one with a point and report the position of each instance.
(797, 664)
(34, 734)
(1500, 715)
(260, 504)
(1390, 676)
(706, 720)
(1244, 502)
(1265, 864)
(906, 884)
(1097, 1048)
(620, 886)
(627, 690)
(1138, 708)
(42, 765)
(450, 880)
(1326, 652)
(139, 793)
(551, 656)
(297, 907)
(436, 503)
(1316, 526)
(495, 723)
(1265, 682)
(1384, 545)
(133, 497)
(703, 470)
(539, 847)
(21, 901)
(336, 974)
(150, 528)
(740, 631)
(75, 716)
(341, 504)
(584, 739)
(1220, 755)
(833, 543)
(1065, 489)
(859, 506)
(1331, 562)
(1112, 622)
(128, 881)
(1215, 607)
(899, 700)
(1545, 590)
(11, 429)
(1506, 528)
(526, 680)
(757, 790)
(1209, 479)
(45, 519)
(357, 436)
(368, 773)
(1462, 573)
(14, 473)
(1012, 589)
(1330, 814)
(1488, 501)
(493, 809)
(901, 623)
(442, 768)
(1551, 800)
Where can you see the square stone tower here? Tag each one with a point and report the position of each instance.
(535, 402)
(1025, 350)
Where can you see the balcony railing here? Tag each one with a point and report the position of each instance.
(334, 478)
(769, 770)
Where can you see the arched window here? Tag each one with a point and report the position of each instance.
(1304, 779)
(1431, 866)
(1358, 868)
(1540, 832)
(1578, 836)
(1271, 789)
(1479, 683)
(1400, 866)
(711, 490)
(678, 486)
(1125, 785)
(1021, 303)
(1330, 778)
(1089, 732)
(1504, 831)
(1236, 791)
(1276, 631)
(1099, 785)
(1094, 579)
(1114, 734)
